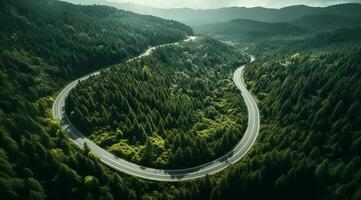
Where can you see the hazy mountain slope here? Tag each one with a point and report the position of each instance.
(326, 22)
(207, 16)
(242, 29)
(250, 30)
(323, 41)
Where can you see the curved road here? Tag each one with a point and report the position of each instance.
(122, 165)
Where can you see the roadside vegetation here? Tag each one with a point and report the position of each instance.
(43, 45)
(308, 91)
(176, 108)
(311, 127)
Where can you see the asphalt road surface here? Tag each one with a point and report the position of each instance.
(127, 167)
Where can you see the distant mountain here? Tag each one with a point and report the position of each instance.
(196, 17)
(326, 22)
(246, 29)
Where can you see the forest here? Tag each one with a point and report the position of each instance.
(79, 39)
(39, 53)
(310, 135)
(176, 108)
(308, 90)
(248, 32)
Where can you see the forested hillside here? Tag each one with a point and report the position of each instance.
(319, 23)
(249, 30)
(176, 108)
(246, 31)
(43, 44)
(311, 135)
(81, 38)
(320, 42)
(308, 89)
(310, 139)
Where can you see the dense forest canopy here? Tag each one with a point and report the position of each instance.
(176, 108)
(311, 135)
(43, 44)
(309, 94)
(308, 89)
(81, 38)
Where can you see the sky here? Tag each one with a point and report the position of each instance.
(226, 3)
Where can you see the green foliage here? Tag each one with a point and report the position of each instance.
(80, 39)
(309, 141)
(167, 106)
(91, 183)
(42, 45)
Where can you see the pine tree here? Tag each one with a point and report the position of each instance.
(178, 158)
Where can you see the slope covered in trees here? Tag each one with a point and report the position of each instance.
(310, 138)
(320, 23)
(176, 108)
(81, 38)
(245, 31)
(309, 143)
(40, 49)
(308, 146)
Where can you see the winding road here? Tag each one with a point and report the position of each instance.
(127, 167)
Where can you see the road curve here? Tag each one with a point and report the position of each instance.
(127, 167)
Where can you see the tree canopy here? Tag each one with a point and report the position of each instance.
(176, 108)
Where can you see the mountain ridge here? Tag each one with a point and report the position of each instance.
(245, 29)
(196, 17)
